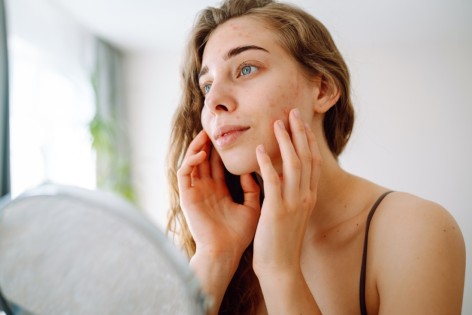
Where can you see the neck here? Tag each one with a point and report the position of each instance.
(333, 182)
(334, 190)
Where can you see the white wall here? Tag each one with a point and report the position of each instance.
(412, 132)
(152, 95)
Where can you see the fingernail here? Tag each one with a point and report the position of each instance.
(296, 113)
(261, 148)
(280, 124)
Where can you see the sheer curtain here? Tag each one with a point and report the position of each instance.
(4, 108)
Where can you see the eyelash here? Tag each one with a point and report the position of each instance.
(205, 88)
(246, 65)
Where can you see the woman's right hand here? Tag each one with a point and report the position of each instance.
(219, 226)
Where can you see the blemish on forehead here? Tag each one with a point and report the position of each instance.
(235, 26)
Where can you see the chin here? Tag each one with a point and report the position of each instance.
(241, 166)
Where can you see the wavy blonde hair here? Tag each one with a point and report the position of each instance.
(310, 43)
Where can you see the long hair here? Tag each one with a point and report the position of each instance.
(310, 43)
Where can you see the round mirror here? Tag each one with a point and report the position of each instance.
(67, 250)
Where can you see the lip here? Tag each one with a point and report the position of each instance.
(226, 135)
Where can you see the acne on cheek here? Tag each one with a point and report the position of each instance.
(277, 100)
(290, 91)
(276, 111)
(285, 99)
(282, 114)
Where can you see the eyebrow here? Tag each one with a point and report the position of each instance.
(232, 53)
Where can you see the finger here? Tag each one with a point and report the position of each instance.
(302, 148)
(217, 169)
(204, 168)
(272, 184)
(195, 174)
(197, 145)
(315, 161)
(291, 165)
(251, 191)
(188, 169)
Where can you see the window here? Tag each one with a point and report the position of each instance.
(51, 102)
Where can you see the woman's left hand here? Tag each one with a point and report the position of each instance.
(289, 199)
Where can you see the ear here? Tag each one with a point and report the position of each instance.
(326, 94)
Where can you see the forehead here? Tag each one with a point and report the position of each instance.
(240, 31)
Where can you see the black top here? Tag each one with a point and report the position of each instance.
(364, 254)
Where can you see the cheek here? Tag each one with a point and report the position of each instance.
(292, 91)
(280, 105)
(287, 96)
(205, 119)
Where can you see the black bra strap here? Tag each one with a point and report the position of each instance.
(364, 254)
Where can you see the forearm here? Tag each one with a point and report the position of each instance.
(288, 293)
(214, 274)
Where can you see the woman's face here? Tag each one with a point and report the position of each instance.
(249, 82)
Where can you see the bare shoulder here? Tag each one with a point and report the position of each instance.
(404, 213)
(417, 256)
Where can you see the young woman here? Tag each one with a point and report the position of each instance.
(269, 220)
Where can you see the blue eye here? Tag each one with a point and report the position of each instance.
(206, 88)
(247, 70)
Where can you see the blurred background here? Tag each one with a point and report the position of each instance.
(93, 85)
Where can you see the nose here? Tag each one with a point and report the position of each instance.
(220, 98)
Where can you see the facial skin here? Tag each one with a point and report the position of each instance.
(250, 82)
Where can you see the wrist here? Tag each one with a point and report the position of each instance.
(220, 259)
(215, 262)
(271, 276)
(283, 269)
(214, 272)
